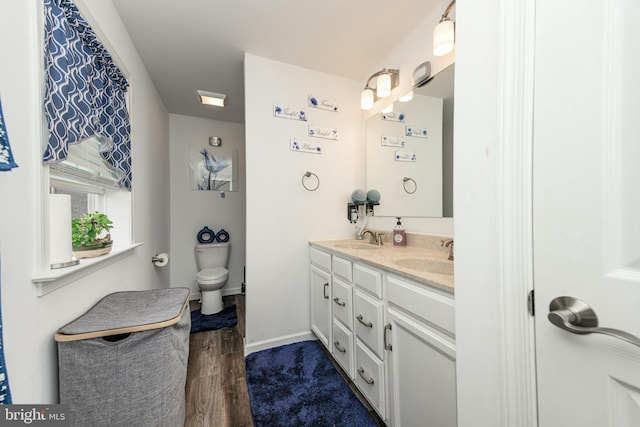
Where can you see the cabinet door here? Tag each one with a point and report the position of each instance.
(368, 314)
(321, 305)
(342, 299)
(343, 347)
(369, 374)
(422, 374)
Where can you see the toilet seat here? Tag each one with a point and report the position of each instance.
(212, 275)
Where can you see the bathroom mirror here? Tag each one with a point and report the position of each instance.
(409, 152)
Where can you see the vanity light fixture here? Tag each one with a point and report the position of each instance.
(383, 84)
(444, 33)
(387, 109)
(366, 99)
(378, 86)
(212, 98)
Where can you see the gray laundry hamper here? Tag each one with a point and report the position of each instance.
(124, 362)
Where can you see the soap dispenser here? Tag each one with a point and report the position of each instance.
(399, 236)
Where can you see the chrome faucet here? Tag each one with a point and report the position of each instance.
(375, 239)
(448, 244)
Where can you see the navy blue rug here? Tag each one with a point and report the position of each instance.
(297, 385)
(224, 319)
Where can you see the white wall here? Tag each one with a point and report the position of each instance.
(191, 210)
(29, 321)
(281, 215)
(416, 48)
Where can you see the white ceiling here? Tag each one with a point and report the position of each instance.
(188, 45)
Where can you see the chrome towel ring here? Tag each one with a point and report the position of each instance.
(404, 185)
(305, 181)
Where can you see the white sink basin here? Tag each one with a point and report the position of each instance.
(426, 264)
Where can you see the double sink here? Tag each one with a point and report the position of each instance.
(427, 265)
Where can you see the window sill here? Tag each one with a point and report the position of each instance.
(52, 280)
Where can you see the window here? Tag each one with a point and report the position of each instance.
(87, 152)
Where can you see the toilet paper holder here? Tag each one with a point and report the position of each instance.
(160, 260)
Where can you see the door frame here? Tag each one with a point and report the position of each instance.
(495, 41)
(515, 206)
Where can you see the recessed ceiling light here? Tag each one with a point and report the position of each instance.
(212, 98)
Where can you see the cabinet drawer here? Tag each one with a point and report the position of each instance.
(343, 347)
(431, 306)
(342, 302)
(369, 375)
(368, 279)
(368, 321)
(320, 258)
(342, 267)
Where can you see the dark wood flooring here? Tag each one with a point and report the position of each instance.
(216, 390)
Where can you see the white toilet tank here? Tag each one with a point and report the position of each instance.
(210, 255)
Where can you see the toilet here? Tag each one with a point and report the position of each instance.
(212, 259)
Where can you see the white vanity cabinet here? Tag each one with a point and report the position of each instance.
(393, 336)
(421, 356)
(320, 292)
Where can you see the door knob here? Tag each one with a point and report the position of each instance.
(576, 316)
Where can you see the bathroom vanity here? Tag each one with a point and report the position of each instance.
(386, 315)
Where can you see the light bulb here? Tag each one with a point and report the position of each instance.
(443, 38)
(408, 97)
(388, 109)
(366, 99)
(383, 85)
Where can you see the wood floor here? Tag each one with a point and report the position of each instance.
(216, 390)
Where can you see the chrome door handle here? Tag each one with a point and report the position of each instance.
(340, 303)
(576, 316)
(360, 319)
(387, 346)
(366, 380)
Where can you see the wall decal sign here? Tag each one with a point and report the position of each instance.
(322, 103)
(406, 156)
(393, 141)
(305, 146)
(323, 132)
(417, 132)
(393, 117)
(289, 113)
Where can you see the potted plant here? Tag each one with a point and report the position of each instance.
(90, 235)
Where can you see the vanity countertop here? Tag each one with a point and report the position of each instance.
(406, 261)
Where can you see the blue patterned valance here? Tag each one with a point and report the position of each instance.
(6, 156)
(85, 90)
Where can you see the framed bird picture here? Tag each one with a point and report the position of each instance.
(213, 169)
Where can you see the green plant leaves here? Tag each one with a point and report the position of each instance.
(88, 230)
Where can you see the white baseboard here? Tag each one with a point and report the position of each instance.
(276, 342)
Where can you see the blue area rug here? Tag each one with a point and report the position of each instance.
(224, 319)
(297, 385)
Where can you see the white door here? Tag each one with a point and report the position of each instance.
(586, 215)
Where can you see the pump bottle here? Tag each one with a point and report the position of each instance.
(399, 235)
